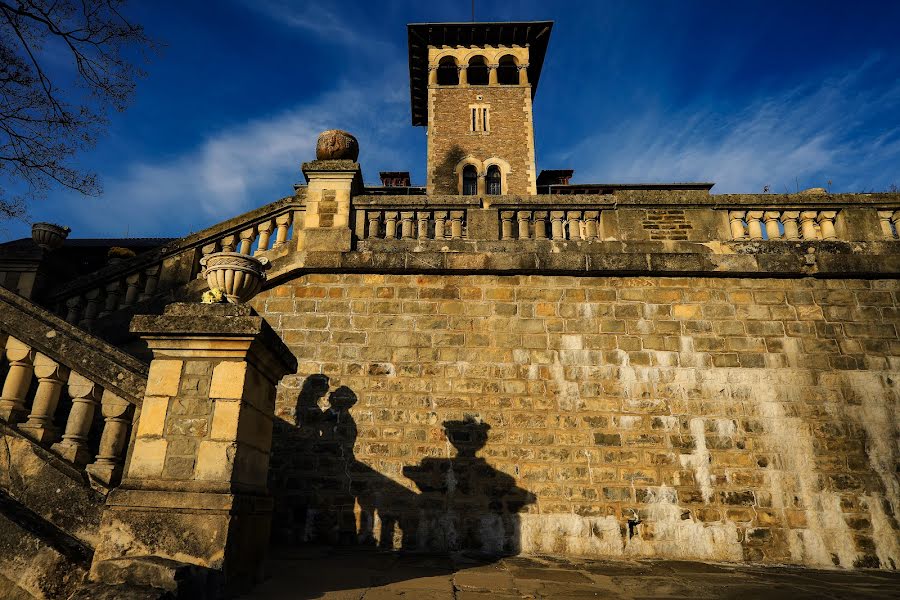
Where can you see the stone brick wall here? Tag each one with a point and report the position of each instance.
(705, 418)
(510, 137)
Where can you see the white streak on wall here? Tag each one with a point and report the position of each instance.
(698, 460)
(887, 544)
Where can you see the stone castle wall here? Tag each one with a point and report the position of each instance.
(704, 418)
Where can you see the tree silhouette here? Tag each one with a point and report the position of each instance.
(63, 65)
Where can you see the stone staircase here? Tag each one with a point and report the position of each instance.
(66, 407)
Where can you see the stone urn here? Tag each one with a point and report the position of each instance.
(336, 144)
(237, 275)
(49, 236)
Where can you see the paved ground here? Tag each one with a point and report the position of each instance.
(339, 574)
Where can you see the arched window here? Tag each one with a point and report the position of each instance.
(447, 71)
(494, 180)
(470, 181)
(477, 73)
(508, 71)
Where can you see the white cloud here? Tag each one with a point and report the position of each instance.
(800, 137)
(240, 168)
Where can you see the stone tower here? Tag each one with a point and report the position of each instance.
(472, 86)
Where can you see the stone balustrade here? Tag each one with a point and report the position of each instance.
(783, 224)
(143, 277)
(889, 220)
(58, 381)
(549, 224)
(411, 224)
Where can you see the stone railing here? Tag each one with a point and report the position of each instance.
(783, 224)
(57, 378)
(393, 218)
(143, 277)
(890, 223)
(549, 224)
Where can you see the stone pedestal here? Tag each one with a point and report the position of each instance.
(330, 185)
(194, 489)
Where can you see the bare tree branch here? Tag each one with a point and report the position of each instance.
(49, 113)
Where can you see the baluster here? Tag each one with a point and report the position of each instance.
(406, 224)
(117, 416)
(151, 280)
(247, 236)
(754, 226)
(423, 217)
(440, 218)
(791, 228)
(826, 224)
(265, 232)
(772, 219)
(228, 243)
(574, 219)
(540, 225)
(736, 220)
(18, 380)
(895, 220)
(51, 377)
(506, 225)
(132, 289)
(390, 225)
(282, 224)
(524, 218)
(93, 300)
(591, 231)
(113, 292)
(456, 224)
(73, 315)
(556, 224)
(374, 218)
(808, 224)
(884, 217)
(74, 444)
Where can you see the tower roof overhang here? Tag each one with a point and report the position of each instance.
(534, 34)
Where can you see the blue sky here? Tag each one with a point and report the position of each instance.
(745, 94)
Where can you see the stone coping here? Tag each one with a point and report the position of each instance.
(679, 198)
(73, 347)
(186, 320)
(825, 259)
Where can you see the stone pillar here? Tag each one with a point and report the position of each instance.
(331, 183)
(17, 382)
(117, 415)
(85, 394)
(194, 489)
(51, 377)
(754, 225)
(808, 224)
(789, 219)
(736, 220)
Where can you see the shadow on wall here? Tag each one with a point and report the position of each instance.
(323, 494)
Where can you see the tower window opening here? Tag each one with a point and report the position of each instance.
(479, 114)
(470, 181)
(494, 180)
(448, 71)
(477, 73)
(508, 71)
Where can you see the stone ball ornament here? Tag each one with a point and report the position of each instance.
(336, 144)
(239, 277)
(49, 236)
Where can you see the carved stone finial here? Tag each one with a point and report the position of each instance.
(336, 144)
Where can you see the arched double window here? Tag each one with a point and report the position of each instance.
(470, 181)
(494, 181)
(448, 71)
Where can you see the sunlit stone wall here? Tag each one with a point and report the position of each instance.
(700, 418)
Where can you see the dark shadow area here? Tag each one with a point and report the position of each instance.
(326, 498)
